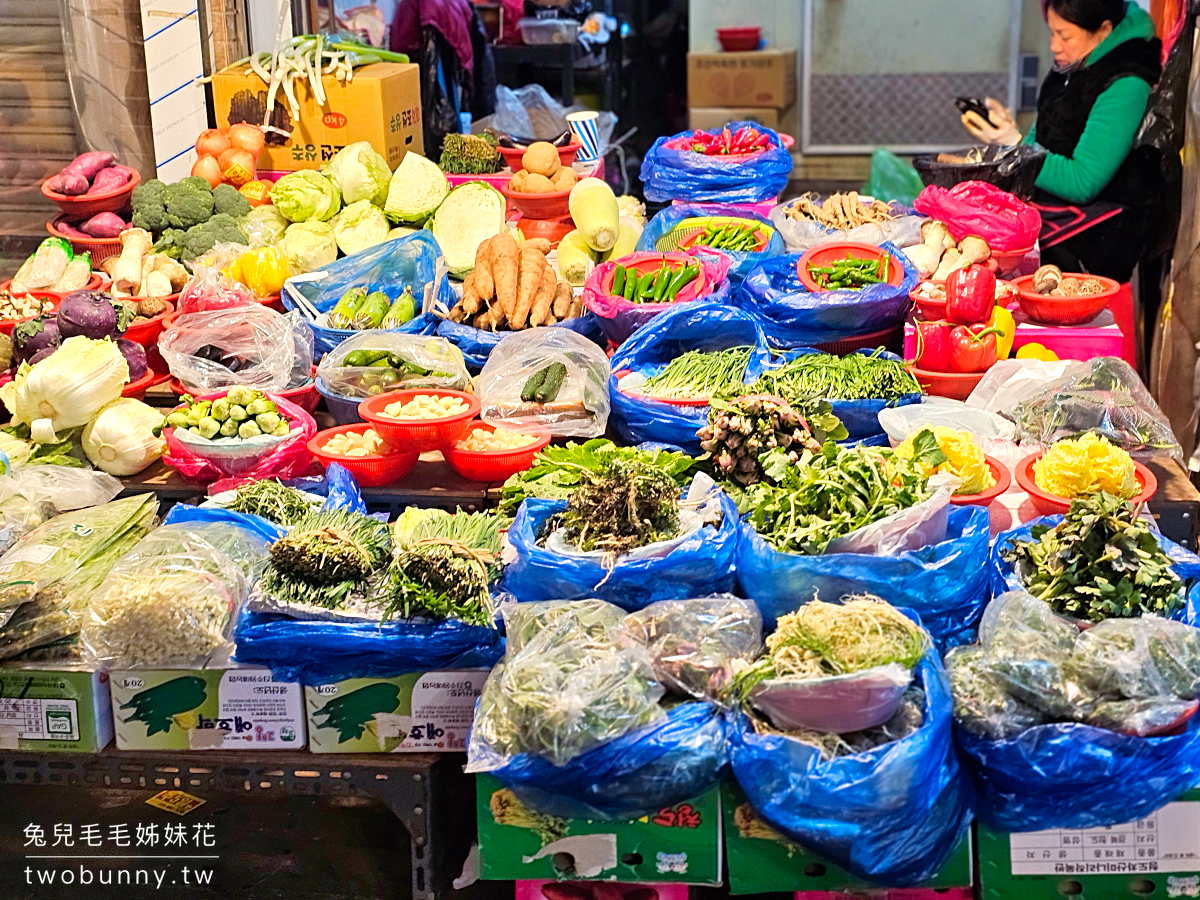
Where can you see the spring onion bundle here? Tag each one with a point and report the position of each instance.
(698, 375)
(853, 377)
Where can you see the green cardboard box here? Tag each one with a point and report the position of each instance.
(59, 709)
(761, 860)
(219, 708)
(680, 845)
(422, 712)
(1157, 856)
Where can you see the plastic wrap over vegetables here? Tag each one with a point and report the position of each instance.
(374, 362)
(172, 600)
(1067, 729)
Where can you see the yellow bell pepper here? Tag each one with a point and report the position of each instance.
(264, 270)
(1002, 319)
(1037, 351)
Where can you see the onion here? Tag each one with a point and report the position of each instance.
(237, 158)
(209, 169)
(225, 156)
(212, 142)
(247, 137)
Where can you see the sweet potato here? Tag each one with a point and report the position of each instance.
(563, 295)
(540, 313)
(484, 285)
(104, 225)
(89, 164)
(504, 271)
(70, 230)
(533, 264)
(70, 184)
(110, 179)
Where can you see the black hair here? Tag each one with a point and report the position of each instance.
(1089, 15)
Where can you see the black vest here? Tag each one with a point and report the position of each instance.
(1065, 103)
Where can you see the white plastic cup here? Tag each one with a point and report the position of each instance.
(584, 126)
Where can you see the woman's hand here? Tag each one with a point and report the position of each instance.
(1003, 132)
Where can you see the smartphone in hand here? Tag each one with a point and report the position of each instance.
(975, 105)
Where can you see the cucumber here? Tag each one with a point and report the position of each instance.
(552, 384)
(529, 392)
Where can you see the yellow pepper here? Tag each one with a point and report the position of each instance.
(1037, 351)
(264, 270)
(1002, 319)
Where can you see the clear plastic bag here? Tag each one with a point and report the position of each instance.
(30, 495)
(1009, 381)
(582, 405)
(173, 600)
(901, 421)
(277, 349)
(1104, 396)
(567, 684)
(693, 643)
(530, 112)
(801, 235)
(442, 360)
(211, 289)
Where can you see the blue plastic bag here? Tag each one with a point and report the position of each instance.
(673, 216)
(891, 815)
(861, 417)
(390, 267)
(702, 325)
(946, 583)
(793, 317)
(700, 566)
(337, 486)
(265, 529)
(315, 652)
(670, 174)
(678, 757)
(477, 345)
(1002, 577)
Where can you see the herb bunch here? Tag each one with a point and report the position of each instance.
(700, 374)
(272, 500)
(326, 557)
(628, 504)
(852, 377)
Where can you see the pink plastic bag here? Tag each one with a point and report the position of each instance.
(620, 317)
(287, 459)
(979, 208)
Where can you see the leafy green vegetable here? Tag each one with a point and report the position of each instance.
(851, 377)
(699, 374)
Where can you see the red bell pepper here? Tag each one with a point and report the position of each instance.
(970, 295)
(973, 348)
(933, 345)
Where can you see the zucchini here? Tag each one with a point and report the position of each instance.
(552, 384)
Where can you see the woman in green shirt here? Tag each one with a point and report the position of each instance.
(1095, 191)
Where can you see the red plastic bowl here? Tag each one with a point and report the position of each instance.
(146, 333)
(830, 253)
(85, 205)
(1076, 310)
(552, 205)
(955, 385)
(739, 40)
(1049, 504)
(697, 401)
(420, 435)
(100, 249)
(1003, 480)
(512, 156)
(7, 325)
(643, 262)
(137, 389)
(553, 230)
(93, 284)
(368, 471)
(1007, 259)
(935, 310)
(497, 465)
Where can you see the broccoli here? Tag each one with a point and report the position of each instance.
(199, 239)
(228, 199)
(200, 184)
(148, 209)
(187, 205)
(170, 243)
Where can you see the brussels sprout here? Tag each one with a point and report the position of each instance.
(220, 410)
(208, 427)
(229, 428)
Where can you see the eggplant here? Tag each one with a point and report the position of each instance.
(89, 314)
(562, 140)
(135, 358)
(32, 337)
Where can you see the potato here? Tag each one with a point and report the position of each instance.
(537, 184)
(516, 184)
(541, 159)
(565, 179)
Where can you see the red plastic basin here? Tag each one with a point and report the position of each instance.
(643, 262)
(420, 435)
(52, 301)
(551, 205)
(955, 385)
(85, 205)
(1076, 310)
(512, 156)
(831, 253)
(368, 471)
(497, 465)
(1003, 480)
(146, 333)
(1049, 504)
(739, 40)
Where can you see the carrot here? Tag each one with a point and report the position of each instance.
(533, 264)
(541, 313)
(576, 308)
(504, 271)
(540, 244)
(471, 300)
(484, 285)
(562, 300)
(492, 319)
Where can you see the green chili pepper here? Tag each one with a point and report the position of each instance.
(618, 282)
(631, 283)
(682, 279)
(661, 280)
(645, 285)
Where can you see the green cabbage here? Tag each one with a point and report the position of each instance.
(417, 188)
(359, 173)
(308, 246)
(306, 195)
(266, 222)
(359, 226)
(469, 215)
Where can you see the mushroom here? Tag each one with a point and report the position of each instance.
(1046, 279)
(127, 273)
(949, 264)
(974, 250)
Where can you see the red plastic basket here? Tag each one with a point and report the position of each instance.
(983, 498)
(512, 156)
(93, 284)
(497, 465)
(1049, 504)
(7, 325)
(550, 205)
(829, 253)
(100, 249)
(1064, 310)
(420, 435)
(146, 333)
(85, 205)
(137, 389)
(368, 471)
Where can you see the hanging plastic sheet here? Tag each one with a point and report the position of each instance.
(671, 170)
(792, 316)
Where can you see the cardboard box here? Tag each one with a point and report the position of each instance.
(47, 708)
(682, 844)
(423, 712)
(381, 105)
(1156, 856)
(219, 708)
(782, 120)
(761, 860)
(760, 78)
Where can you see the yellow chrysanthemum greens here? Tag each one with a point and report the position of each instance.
(1088, 464)
(964, 458)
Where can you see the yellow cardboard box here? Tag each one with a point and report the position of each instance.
(381, 105)
(757, 78)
